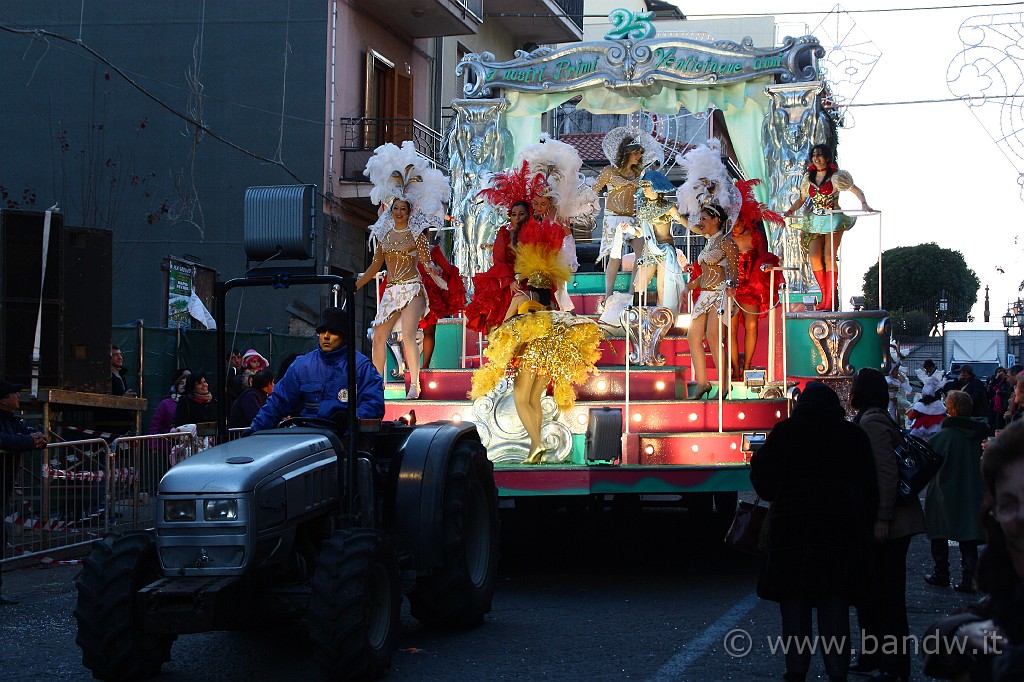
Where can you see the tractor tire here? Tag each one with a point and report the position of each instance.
(354, 608)
(458, 594)
(114, 644)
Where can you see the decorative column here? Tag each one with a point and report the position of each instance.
(795, 123)
(479, 143)
(831, 347)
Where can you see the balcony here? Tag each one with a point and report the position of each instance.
(428, 18)
(360, 136)
(539, 21)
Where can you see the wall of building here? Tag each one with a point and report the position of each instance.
(80, 135)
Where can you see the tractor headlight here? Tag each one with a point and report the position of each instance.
(179, 510)
(220, 510)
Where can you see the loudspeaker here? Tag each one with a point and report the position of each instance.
(604, 435)
(75, 300)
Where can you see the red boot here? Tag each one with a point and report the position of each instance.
(819, 277)
(828, 291)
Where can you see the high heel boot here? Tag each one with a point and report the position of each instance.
(828, 290)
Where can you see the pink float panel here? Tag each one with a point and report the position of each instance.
(692, 449)
(645, 417)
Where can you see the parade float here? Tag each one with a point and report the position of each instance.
(633, 428)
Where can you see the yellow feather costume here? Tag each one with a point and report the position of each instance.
(559, 345)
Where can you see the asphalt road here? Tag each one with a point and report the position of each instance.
(615, 595)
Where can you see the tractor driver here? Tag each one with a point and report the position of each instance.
(316, 384)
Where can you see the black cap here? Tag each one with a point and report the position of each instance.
(334, 320)
(7, 387)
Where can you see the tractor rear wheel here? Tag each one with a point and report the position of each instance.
(458, 594)
(114, 644)
(354, 607)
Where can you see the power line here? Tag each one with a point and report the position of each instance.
(770, 13)
(35, 32)
(927, 8)
(940, 100)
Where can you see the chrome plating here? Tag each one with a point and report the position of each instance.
(502, 432)
(835, 339)
(646, 326)
(794, 124)
(479, 144)
(639, 67)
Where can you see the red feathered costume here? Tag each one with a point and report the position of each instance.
(492, 290)
(752, 287)
(442, 303)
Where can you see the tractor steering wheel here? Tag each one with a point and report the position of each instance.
(311, 422)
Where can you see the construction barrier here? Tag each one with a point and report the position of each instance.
(73, 492)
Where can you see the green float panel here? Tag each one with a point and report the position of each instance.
(859, 339)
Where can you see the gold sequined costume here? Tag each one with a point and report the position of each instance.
(619, 223)
(719, 262)
(555, 344)
(400, 251)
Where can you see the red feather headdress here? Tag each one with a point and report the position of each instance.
(753, 211)
(514, 184)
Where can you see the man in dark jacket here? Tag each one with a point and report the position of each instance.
(818, 472)
(972, 386)
(16, 437)
(252, 399)
(316, 384)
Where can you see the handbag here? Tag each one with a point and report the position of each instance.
(918, 464)
(748, 532)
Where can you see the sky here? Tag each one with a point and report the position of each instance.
(933, 170)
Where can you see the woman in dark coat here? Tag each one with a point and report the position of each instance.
(884, 614)
(817, 471)
(954, 496)
(197, 405)
(993, 628)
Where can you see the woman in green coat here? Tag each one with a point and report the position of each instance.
(953, 497)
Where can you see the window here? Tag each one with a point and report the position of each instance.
(389, 102)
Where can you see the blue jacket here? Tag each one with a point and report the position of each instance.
(315, 385)
(15, 437)
(15, 434)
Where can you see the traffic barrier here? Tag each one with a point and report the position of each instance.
(74, 492)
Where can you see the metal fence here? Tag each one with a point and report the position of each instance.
(360, 136)
(73, 492)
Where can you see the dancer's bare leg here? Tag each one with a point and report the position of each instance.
(695, 336)
(410, 317)
(611, 271)
(429, 337)
(749, 339)
(638, 249)
(380, 343)
(522, 393)
(714, 336)
(830, 247)
(734, 347)
(815, 252)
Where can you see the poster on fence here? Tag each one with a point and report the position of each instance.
(179, 289)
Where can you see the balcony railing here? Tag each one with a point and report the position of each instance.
(573, 9)
(360, 136)
(476, 7)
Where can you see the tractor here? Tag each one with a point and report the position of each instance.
(330, 521)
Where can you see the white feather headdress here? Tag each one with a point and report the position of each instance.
(707, 181)
(401, 173)
(561, 164)
(654, 153)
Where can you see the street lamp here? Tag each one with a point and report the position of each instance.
(943, 308)
(1014, 318)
